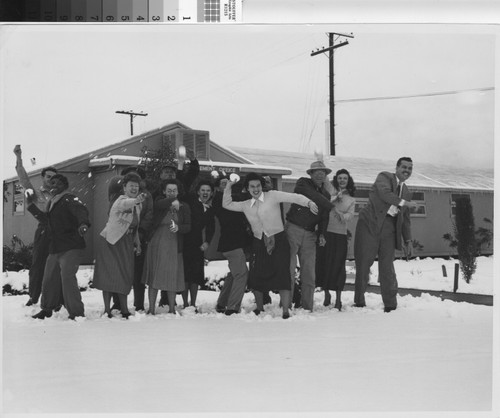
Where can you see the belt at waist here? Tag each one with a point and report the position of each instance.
(307, 228)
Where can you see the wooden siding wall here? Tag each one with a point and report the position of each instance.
(24, 226)
(429, 230)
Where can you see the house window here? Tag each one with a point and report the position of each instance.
(454, 198)
(421, 209)
(197, 142)
(19, 199)
(362, 197)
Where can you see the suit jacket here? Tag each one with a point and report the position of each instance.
(382, 196)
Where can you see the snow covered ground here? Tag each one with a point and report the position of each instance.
(427, 358)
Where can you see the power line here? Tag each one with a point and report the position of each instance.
(441, 93)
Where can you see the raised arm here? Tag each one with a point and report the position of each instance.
(227, 200)
(299, 199)
(20, 170)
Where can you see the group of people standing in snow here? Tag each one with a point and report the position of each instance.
(157, 234)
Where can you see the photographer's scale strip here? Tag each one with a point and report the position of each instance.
(133, 11)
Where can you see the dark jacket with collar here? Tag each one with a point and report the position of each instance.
(235, 231)
(65, 214)
(201, 219)
(302, 216)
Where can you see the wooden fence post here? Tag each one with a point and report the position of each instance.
(455, 281)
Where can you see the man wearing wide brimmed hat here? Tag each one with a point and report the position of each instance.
(302, 229)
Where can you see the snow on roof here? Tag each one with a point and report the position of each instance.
(365, 170)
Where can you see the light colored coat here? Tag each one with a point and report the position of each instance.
(121, 216)
(342, 212)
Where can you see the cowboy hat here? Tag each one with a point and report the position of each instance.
(318, 165)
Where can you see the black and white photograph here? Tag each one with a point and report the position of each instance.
(249, 220)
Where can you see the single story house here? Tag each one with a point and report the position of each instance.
(435, 187)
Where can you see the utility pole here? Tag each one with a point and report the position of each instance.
(330, 49)
(132, 115)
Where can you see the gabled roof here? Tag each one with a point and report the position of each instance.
(106, 149)
(365, 170)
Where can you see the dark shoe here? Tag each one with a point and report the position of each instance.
(338, 305)
(230, 312)
(30, 302)
(256, 311)
(73, 317)
(42, 314)
(139, 308)
(328, 300)
(57, 308)
(359, 305)
(386, 309)
(125, 314)
(286, 315)
(220, 309)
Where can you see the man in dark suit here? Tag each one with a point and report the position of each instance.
(382, 225)
(68, 221)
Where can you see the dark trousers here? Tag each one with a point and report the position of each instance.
(40, 254)
(368, 246)
(60, 278)
(235, 284)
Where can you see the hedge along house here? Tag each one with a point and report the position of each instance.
(89, 176)
(435, 187)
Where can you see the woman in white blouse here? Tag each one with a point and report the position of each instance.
(332, 251)
(270, 261)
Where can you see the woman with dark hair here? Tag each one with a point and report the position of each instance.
(114, 267)
(270, 261)
(164, 267)
(331, 253)
(198, 239)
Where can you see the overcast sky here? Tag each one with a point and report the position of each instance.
(420, 91)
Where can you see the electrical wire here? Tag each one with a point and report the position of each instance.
(412, 96)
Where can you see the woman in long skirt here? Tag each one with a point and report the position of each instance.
(164, 266)
(114, 267)
(331, 254)
(270, 263)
